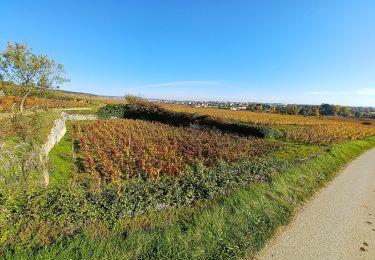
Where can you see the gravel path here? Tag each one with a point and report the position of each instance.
(338, 223)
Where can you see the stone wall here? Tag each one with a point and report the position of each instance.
(57, 133)
(77, 117)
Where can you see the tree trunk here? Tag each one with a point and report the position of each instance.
(22, 105)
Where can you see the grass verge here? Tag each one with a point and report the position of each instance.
(61, 160)
(237, 226)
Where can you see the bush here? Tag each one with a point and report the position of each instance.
(149, 111)
(112, 110)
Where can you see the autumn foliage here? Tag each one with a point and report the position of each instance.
(297, 128)
(120, 149)
(12, 102)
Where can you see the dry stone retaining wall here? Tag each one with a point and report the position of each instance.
(57, 133)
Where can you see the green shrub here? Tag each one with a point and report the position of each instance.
(35, 218)
(112, 110)
(152, 112)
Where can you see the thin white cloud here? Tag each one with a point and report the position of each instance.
(186, 83)
(361, 92)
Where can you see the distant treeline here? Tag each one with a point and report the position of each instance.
(310, 110)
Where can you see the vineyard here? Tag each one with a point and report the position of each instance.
(298, 128)
(11, 95)
(323, 134)
(120, 149)
(8, 103)
(257, 118)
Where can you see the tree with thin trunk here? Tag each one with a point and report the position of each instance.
(20, 66)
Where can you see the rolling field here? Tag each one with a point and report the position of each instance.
(297, 128)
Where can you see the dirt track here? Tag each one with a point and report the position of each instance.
(338, 223)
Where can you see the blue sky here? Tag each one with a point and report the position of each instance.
(265, 51)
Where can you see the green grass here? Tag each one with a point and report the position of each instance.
(61, 161)
(299, 151)
(232, 227)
